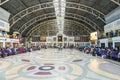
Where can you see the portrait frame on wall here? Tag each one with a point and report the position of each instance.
(43, 39)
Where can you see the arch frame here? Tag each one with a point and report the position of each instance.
(29, 33)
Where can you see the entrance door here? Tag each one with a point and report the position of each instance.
(110, 44)
(117, 44)
(60, 38)
(103, 45)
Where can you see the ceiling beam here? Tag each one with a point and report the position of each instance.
(3, 2)
(28, 11)
(49, 5)
(50, 15)
(34, 20)
(30, 32)
(116, 2)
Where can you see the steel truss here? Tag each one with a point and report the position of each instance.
(87, 9)
(34, 20)
(73, 28)
(29, 10)
(84, 19)
(116, 2)
(42, 25)
(48, 5)
(51, 15)
(46, 23)
(3, 2)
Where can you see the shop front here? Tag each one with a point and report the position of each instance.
(15, 43)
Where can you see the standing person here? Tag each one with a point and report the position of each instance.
(29, 51)
(96, 51)
(84, 49)
(0, 52)
(3, 51)
(61, 46)
(13, 51)
(40, 46)
(91, 51)
(9, 51)
(16, 50)
(21, 49)
(119, 56)
(87, 50)
(108, 53)
(103, 53)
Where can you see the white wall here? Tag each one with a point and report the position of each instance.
(103, 41)
(113, 15)
(4, 15)
(4, 26)
(115, 39)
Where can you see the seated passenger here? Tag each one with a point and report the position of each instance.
(108, 53)
(103, 53)
(9, 51)
(4, 53)
(13, 51)
(21, 50)
(114, 54)
(28, 49)
(87, 50)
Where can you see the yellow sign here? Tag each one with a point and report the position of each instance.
(14, 34)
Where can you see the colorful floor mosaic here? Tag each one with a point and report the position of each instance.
(54, 64)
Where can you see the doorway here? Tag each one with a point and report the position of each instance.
(60, 38)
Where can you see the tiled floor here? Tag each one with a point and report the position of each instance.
(54, 64)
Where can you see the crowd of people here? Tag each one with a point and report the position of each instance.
(4, 52)
(109, 53)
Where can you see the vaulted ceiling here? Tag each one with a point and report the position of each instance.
(38, 16)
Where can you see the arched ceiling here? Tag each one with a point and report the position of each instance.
(87, 15)
(72, 28)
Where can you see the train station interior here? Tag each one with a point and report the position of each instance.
(59, 39)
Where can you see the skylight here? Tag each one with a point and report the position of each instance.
(60, 13)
